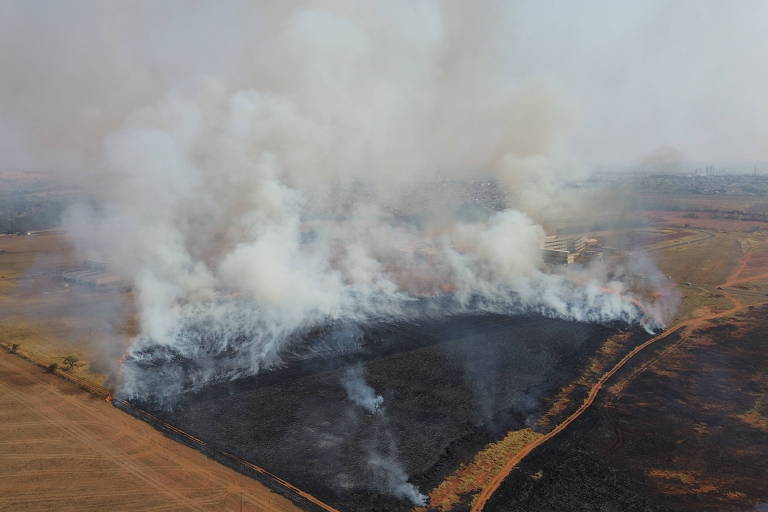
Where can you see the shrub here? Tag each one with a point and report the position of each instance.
(70, 362)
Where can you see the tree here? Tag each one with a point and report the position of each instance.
(69, 362)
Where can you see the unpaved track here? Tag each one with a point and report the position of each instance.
(488, 491)
(705, 235)
(63, 449)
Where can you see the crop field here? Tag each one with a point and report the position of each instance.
(63, 449)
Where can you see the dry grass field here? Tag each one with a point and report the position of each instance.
(691, 202)
(65, 450)
(50, 319)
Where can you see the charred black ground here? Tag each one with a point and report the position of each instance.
(449, 386)
(686, 435)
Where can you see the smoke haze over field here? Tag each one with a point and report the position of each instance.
(260, 170)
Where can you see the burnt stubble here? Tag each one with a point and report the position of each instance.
(449, 386)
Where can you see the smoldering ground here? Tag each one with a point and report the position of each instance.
(437, 405)
(383, 463)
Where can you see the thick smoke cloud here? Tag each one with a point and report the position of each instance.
(262, 171)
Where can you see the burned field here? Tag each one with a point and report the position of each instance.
(447, 387)
(689, 433)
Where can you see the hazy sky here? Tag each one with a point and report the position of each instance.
(628, 77)
(686, 74)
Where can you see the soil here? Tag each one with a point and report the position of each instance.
(450, 387)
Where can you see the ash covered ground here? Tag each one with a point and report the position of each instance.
(686, 435)
(366, 429)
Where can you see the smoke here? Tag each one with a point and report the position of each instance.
(262, 172)
(390, 473)
(387, 472)
(359, 392)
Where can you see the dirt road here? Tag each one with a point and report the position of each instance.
(488, 491)
(705, 235)
(63, 449)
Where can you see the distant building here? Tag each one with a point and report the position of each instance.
(559, 257)
(562, 243)
(559, 250)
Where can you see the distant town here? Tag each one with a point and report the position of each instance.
(705, 181)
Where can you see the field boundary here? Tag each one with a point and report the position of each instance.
(270, 480)
(37, 360)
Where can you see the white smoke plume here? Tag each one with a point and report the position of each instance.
(394, 479)
(359, 392)
(387, 472)
(262, 170)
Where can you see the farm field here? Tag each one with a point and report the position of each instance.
(51, 319)
(685, 429)
(64, 449)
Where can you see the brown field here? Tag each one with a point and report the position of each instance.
(649, 237)
(684, 202)
(64, 449)
(704, 221)
(701, 259)
(471, 477)
(756, 263)
(51, 319)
